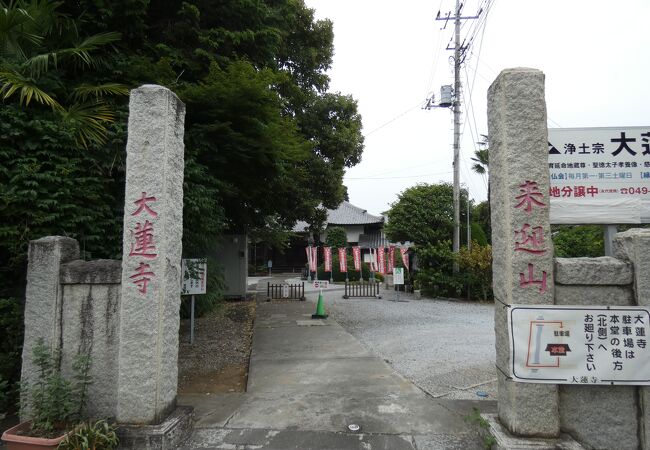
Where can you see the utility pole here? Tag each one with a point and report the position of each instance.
(459, 50)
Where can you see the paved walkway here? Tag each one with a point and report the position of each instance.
(310, 379)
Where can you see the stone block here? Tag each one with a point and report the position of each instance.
(605, 270)
(634, 246)
(151, 257)
(171, 432)
(521, 404)
(502, 439)
(101, 271)
(594, 295)
(602, 417)
(522, 250)
(90, 325)
(43, 295)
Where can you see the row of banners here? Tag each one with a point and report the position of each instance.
(379, 261)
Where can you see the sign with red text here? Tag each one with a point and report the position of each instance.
(194, 274)
(405, 257)
(321, 284)
(356, 256)
(599, 175)
(343, 260)
(601, 345)
(143, 242)
(327, 257)
(381, 260)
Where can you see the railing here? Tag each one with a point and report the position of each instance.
(369, 289)
(285, 291)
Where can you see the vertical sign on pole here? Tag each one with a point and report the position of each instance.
(193, 282)
(356, 256)
(343, 262)
(327, 256)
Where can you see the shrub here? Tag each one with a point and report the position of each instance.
(53, 402)
(353, 275)
(436, 270)
(477, 262)
(337, 237)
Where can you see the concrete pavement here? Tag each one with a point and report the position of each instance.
(310, 379)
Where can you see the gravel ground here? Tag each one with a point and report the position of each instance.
(445, 347)
(218, 359)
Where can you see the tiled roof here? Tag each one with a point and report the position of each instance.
(345, 214)
(348, 214)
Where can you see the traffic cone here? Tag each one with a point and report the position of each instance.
(320, 308)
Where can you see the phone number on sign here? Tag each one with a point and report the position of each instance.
(635, 191)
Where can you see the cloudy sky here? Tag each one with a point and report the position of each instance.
(391, 56)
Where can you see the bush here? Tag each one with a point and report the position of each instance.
(572, 241)
(11, 347)
(477, 262)
(337, 237)
(353, 275)
(435, 274)
(53, 402)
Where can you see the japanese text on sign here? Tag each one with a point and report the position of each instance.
(593, 170)
(142, 245)
(194, 273)
(579, 345)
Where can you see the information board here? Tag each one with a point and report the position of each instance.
(194, 273)
(579, 344)
(398, 275)
(599, 175)
(321, 284)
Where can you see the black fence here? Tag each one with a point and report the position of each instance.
(364, 289)
(285, 291)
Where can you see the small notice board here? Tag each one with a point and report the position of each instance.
(398, 275)
(596, 345)
(194, 273)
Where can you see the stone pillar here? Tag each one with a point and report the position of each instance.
(521, 240)
(151, 258)
(43, 294)
(634, 246)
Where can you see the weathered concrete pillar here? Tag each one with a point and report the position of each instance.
(634, 246)
(151, 259)
(43, 294)
(521, 239)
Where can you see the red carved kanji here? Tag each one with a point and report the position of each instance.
(523, 282)
(142, 276)
(531, 196)
(142, 203)
(144, 245)
(530, 239)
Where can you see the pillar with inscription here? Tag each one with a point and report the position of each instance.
(521, 239)
(151, 258)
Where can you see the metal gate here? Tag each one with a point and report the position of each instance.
(370, 289)
(285, 291)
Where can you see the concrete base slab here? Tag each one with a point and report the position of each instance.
(213, 410)
(294, 439)
(174, 430)
(503, 440)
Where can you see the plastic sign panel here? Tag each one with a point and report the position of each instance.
(194, 273)
(597, 345)
(599, 175)
(398, 275)
(321, 284)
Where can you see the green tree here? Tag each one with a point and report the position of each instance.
(424, 214)
(41, 59)
(572, 241)
(337, 237)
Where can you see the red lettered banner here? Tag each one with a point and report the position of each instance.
(381, 260)
(373, 260)
(308, 251)
(343, 260)
(327, 255)
(314, 259)
(356, 255)
(405, 257)
(391, 259)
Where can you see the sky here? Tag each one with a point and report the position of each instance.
(391, 56)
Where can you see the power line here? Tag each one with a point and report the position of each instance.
(394, 119)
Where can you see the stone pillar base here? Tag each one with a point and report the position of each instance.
(167, 435)
(501, 439)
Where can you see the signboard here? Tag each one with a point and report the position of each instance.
(398, 275)
(285, 290)
(599, 175)
(598, 345)
(194, 272)
(321, 284)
